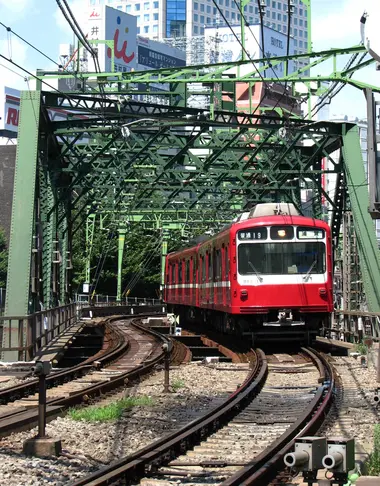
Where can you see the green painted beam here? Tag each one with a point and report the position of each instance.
(23, 213)
(364, 226)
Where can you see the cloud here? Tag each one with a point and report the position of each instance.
(79, 9)
(338, 24)
(16, 5)
(16, 51)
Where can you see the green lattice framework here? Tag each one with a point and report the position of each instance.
(178, 167)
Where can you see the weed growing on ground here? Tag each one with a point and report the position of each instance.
(361, 348)
(373, 462)
(177, 384)
(113, 411)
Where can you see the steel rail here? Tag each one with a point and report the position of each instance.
(164, 449)
(267, 464)
(27, 419)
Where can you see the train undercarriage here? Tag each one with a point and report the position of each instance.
(274, 326)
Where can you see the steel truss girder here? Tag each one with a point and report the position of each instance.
(250, 71)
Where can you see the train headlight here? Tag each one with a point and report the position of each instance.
(281, 233)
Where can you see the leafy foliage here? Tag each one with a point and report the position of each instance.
(373, 462)
(141, 269)
(3, 258)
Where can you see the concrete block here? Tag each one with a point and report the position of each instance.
(42, 447)
(368, 481)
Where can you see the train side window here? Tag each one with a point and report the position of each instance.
(203, 268)
(209, 254)
(173, 272)
(194, 260)
(187, 276)
(217, 265)
(180, 271)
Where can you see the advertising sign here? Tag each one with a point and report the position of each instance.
(222, 46)
(156, 55)
(11, 108)
(107, 23)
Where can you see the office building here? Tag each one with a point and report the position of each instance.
(159, 19)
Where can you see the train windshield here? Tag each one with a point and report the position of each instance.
(282, 258)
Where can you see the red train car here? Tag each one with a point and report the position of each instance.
(268, 275)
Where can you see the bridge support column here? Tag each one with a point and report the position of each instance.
(23, 208)
(120, 261)
(364, 226)
(164, 251)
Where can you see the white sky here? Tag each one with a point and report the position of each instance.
(335, 23)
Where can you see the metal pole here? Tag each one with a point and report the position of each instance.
(120, 262)
(164, 251)
(41, 406)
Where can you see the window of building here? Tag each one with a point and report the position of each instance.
(155, 4)
(155, 16)
(93, 2)
(196, 18)
(146, 29)
(214, 11)
(305, 24)
(305, 34)
(295, 31)
(202, 7)
(273, 15)
(119, 7)
(301, 11)
(233, 16)
(146, 5)
(208, 21)
(227, 14)
(128, 8)
(195, 5)
(273, 4)
(138, 17)
(257, 10)
(146, 17)
(137, 7)
(202, 31)
(278, 16)
(202, 19)
(284, 7)
(284, 28)
(195, 28)
(208, 9)
(250, 9)
(155, 29)
(138, 30)
(301, 23)
(295, 42)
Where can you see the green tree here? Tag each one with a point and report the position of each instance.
(3, 258)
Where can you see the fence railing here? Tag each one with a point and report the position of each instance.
(35, 330)
(111, 300)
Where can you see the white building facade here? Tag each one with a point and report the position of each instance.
(158, 19)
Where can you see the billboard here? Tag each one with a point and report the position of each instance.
(107, 23)
(222, 46)
(156, 55)
(11, 109)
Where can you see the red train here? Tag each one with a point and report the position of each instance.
(267, 275)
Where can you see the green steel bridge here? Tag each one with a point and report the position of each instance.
(95, 155)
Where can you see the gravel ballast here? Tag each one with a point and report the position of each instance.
(88, 446)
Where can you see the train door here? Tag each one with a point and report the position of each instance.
(217, 277)
(223, 273)
(202, 292)
(186, 287)
(227, 276)
(210, 279)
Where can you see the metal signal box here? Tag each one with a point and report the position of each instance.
(340, 454)
(308, 454)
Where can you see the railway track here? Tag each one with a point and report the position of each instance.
(256, 434)
(131, 351)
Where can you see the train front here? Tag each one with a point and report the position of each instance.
(283, 285)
